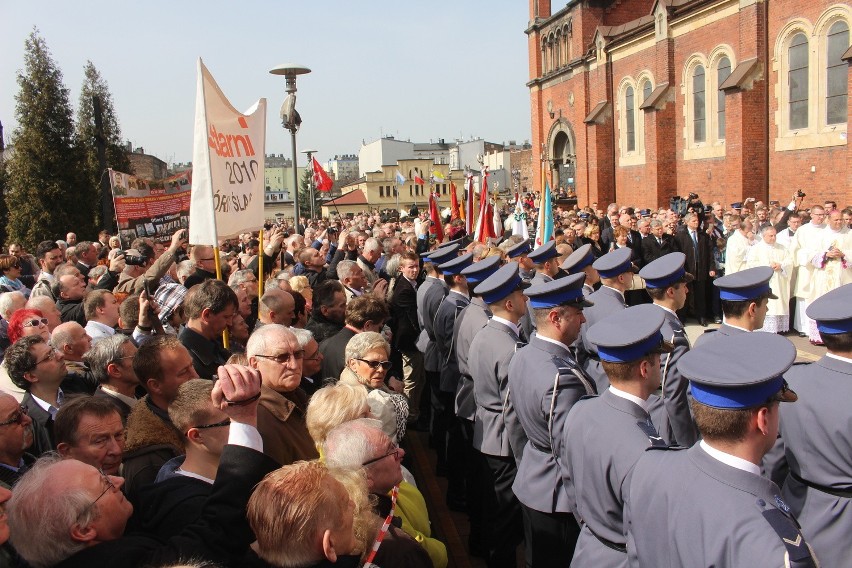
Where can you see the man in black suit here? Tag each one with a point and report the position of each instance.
(87, 257)
(364, 313)
(38, 369)
(657, 244)
(695, 244)
(96, 537)
(406, 329)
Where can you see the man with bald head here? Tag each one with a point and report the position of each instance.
(275, 306)
(73, 342)
(69, 291)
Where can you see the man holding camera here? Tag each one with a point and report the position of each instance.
(141, 268)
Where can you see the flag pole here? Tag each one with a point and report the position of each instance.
(260, 276)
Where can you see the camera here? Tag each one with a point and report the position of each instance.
(132, 259)
(331, 230)
(800, 193)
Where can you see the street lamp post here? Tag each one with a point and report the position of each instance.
(311, 181)
(291, 120)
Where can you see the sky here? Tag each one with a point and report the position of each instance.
(414, 70)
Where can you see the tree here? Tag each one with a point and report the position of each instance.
(87, 134)
(305, 195)
(47, 193)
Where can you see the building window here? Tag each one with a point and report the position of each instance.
(630, 119)
(722, 73)
(837, 73)
(410, 192)
(647, 88)
(543, 56)
(798, 80)
(381, 191)
(395, 192)
(699, 123)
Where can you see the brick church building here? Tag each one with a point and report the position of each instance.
(636, 101)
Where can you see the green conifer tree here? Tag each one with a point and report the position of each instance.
(48, 193)
(86, 136)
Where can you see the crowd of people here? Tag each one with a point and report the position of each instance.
(162, 405)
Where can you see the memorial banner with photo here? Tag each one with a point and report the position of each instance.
(228, 163)
(150, 208)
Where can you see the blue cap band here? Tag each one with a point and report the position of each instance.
(613, 272)
(665, 281)
(629, 353)
(587, 260)
(834, 327)
(734, 398)
(501, 292)
(743, 294)
(556, 299)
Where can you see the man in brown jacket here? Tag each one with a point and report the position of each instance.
(275, 352)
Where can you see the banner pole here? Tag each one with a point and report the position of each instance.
(260, 276)
(219, 277)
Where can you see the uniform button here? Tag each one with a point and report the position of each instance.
(761, 503)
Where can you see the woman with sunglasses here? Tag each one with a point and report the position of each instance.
(367, 363)
(10, 281)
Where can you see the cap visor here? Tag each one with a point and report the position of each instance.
(665, 347)
(787, 395)
(584, 303)
(687, 278)
(772, 296)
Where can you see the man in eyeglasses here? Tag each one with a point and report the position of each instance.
(16, 435)
(360, 444)
(38, 369)
(275, 352)
(178, 493)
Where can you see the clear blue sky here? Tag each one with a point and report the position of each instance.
(415, 70)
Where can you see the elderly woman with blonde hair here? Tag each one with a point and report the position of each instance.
(367, 362)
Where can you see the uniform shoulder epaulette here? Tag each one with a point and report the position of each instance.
(588, 396)
(802, 363)
(710, 330)
(666, 448)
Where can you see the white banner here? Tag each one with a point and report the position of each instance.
(228, 161)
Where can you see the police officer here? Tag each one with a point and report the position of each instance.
(581, 260)
(544, 383)
(497, 434)
(430, 294)
(470, 320)
(606, 435)
(709, 505)
(451, 306)
(546, 262)
(518, 253)
(666, 280)
(616, 273)
(745, 299)
(817, 436)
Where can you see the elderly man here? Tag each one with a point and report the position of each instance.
(544, 383)
(303, 516)
(73, 342)
(16, 436)
(368, 258)
(312, 359)
(48, 310)
(209, 308)
(692, 507)
(71, 239)
(162, 365)
(276, 306)
(351, 275)
(90, 429)
(247, 281)
(275, 352)
(329, 309)
(69, 289)
(101, 310)
(93, 533)
(111, 365)
(361, 443)
(38, 369)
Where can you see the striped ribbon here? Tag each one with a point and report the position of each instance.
(368, 563)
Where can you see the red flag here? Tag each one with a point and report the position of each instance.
(485, 223)
(322, 181)
(455, 212)
(436, 228)
(418, 179)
